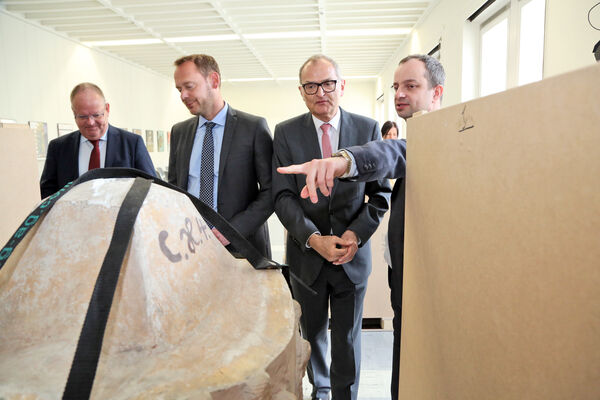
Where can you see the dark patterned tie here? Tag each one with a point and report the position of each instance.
(94, 156)
(207, 166)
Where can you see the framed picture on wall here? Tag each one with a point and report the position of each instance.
(160, 140)
(137, 131)
(40, 133)
(64, 128)
(150, 140)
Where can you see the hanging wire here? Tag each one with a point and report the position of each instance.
(589, 12)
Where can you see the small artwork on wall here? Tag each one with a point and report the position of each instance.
(40, 133)
(150, 140)
(64, 128)
(137, 131)
(160, 140)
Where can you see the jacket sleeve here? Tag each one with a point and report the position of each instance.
(286, 196)
(380, 159)
(378, 194)
(248, 221)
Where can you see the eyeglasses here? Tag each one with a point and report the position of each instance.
(96, 116)
(312, 87)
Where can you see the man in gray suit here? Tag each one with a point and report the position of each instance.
(222, 155)
(328, 242)
(419, 85)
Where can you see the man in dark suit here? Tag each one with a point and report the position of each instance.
(418, 82)
(328, 242)
(96, 144)
(222, 155)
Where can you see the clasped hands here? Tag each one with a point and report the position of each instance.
(337, 250)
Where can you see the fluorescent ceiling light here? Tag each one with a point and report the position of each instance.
(210, 38)
(283, 35)
(124, 42)
(264, 35)
(369, 32)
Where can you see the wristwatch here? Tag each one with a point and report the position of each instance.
(344, 154)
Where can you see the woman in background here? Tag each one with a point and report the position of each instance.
(389, 130)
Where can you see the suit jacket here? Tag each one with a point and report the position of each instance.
(123, 149)
(296, 142)
(386, 159)
(244, 185)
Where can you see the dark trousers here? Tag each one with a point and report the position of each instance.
(336, 291)
(395, 282)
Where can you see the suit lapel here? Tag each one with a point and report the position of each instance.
(347, 136)
(112, 147)
(310, 141)
(187, 145)
(74, 142)
(228, 133)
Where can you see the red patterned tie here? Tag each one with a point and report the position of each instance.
(95, 156)
(326, 141)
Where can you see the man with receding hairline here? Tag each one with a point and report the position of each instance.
(95, 145)
(328, 243)
(419, 86)
(222, 155)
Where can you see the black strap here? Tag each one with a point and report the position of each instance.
(83, 369)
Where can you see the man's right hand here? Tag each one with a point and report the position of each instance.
(327, 246)
(319, 175)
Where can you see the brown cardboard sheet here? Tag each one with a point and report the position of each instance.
(502, 252)
(19, 177)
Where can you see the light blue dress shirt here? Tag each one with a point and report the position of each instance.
(196, 158)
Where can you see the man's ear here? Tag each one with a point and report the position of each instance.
(438, 91)
(215, 80)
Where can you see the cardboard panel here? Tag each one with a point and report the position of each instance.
(502, 271)
(19, 177)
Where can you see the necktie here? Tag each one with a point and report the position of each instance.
(326, 141)
(207, 165)
(94, 156)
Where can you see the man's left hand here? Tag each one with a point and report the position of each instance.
(351, 249)
(220, 236)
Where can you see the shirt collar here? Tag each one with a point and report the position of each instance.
(334, 122)
(219, 119)
(103, 138)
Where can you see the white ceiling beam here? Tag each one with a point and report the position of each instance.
(229, 21)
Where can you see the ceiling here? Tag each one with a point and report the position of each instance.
(251, 40)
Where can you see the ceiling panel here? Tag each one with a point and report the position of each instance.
(250, 40)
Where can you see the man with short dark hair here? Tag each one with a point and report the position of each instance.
(95, 145)
(419, 86)
(222, 155)
(328, 243)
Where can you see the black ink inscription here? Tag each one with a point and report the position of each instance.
(187, 231)
(465, 127)
(162, 241)
(202, 228)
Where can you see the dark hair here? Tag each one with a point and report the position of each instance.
(387, 125)
(320, 57)
(85, 86)
(434, 72)
(205, 63)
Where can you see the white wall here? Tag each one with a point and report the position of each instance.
(39, 68)
(278, 101)
(569, 41)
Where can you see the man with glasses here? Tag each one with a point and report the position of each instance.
(95, 145)
(418, 86)
(328, 242)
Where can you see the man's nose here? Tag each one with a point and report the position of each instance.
(399, 94)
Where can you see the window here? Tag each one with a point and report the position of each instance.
(511, 41)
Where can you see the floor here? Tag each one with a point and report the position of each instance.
(376, 365)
